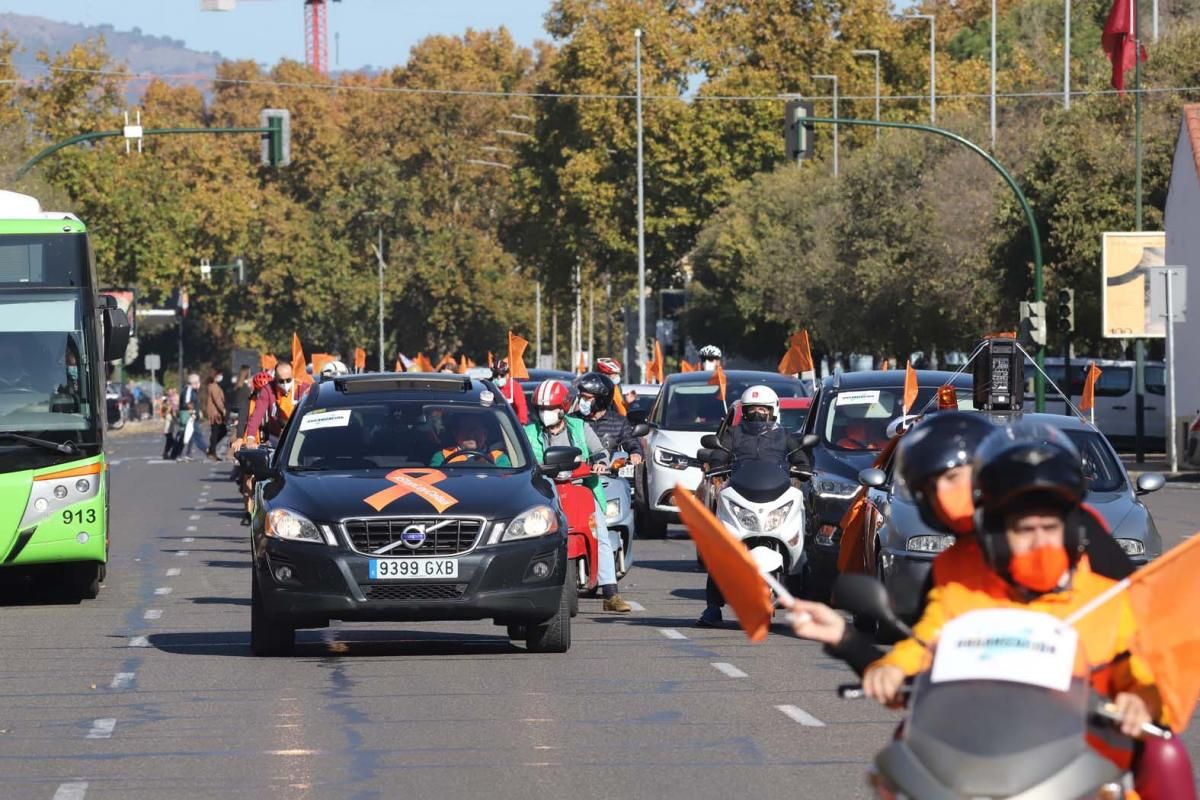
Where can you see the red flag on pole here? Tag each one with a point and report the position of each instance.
(1118, 42)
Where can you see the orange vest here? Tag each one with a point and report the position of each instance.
(448, 450)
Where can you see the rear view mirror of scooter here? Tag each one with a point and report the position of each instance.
(863, 595)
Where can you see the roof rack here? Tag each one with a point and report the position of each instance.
(362, 384)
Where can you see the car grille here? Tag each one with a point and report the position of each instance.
(415, 591)
(443, 537)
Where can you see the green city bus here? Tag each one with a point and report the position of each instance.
(56, 335)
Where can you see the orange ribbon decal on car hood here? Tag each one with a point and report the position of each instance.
(420, 482)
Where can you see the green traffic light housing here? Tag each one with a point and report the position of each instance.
(798, 132)
(277, 141)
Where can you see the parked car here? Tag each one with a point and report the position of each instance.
(687, 407)
(368, 512)
(1116, 396)
(846, 428)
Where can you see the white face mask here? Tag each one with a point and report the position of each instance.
(708, 366)
(585, 406)
(616, 379)
(501, 381)
(550, 417)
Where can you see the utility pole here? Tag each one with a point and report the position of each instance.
(591, 325)
(835, 116)
(932, 63)
(553, 335)
(641, 214)
(992, 82)
(875, 53)
(379, 256)
(1066, 53)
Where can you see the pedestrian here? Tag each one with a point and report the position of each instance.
(190, 407)
(214, 409)
(241, 401)
(169, 412)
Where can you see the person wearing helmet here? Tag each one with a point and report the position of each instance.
(552, 427)
(510, 390)
(710, 357)
(611, 368)
(594, 405)
(333, 369)
(758, 437)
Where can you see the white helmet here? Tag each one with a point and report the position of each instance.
(761, 396)
(331, 369)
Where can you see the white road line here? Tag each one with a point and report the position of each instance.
(193, 517)
(182, 553)
(102, 729)
(71, 791)
(728, 669)
(139, 641)
(113, 463)
(122, 680)
(190, 528)
(635, 605)
(173, 572)
(800, 715)
(671, 633)
(152, 613)
(163, 590)
(189, 539)
(159, 461)
(206, 486)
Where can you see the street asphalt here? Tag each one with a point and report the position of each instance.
(150, 691)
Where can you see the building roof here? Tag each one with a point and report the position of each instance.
(1191, 124)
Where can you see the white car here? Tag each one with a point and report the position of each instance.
(689, 406)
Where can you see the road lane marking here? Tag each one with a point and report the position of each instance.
(671, 633)
(190, 529)
(182, 553)
(102, 729)
(122, 680)
(139, 641)
(163, 590)
(189, 539)
(71, 791)
(193, 517)
(728, 669)
(208, 486)
(635, 605)
(152, 613)
(800, 715)
(173, 572)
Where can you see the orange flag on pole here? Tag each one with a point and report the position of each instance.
(851, 549)
(267, 361)
(517, 370)
(798, 358)
(1088, 401)
(447, 360)
(398, 366)
(422, 363)
(619, 401)
(718, 380)
(319, 360)
(910, 387)
(299, 362)
(730, 564)
(491, 362)
(462, 364)
(686, 367)
(655, 369)
(581, 366)
(360, 359)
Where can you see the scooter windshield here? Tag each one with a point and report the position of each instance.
(759, 481)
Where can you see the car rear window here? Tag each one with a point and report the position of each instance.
(697, 407)
(857, 419)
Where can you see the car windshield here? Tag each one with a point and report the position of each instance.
(857, 419)
(691, 406)
(406, 433)
(1100, 467)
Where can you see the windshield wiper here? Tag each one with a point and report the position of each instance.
(62, 447)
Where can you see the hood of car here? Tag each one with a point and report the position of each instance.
(685, 442)
(331, 496)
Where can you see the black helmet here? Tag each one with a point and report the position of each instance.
(1021, 466)
(938, 442)
(598, 385)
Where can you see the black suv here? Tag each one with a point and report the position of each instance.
(846, 428)
(407, 497)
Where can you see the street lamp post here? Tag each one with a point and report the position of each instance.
(835, 116)
(641, 213)
(992, 79)
(875, 54)
(932, 63)
(1066, 53)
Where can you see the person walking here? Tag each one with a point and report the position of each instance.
(214, 409)
(169, 411)
(190, 407)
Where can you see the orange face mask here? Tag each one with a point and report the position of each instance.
(1039, 569)
(955, 507)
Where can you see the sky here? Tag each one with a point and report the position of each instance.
(370, 32)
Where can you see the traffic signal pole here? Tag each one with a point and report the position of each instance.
(1035, 238)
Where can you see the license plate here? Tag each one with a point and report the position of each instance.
(626, 471)
(387, 569)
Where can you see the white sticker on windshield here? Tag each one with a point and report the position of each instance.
(325, 419)
(863, 398)
(1000, 644)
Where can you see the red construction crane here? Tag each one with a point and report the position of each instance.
(316, 29)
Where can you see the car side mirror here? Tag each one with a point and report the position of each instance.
(641, 429)
(1149, 482)
(560, 459)
(872, 477)
(711, 441)
(116, 332)
(257, 461)
(865, 596)
(810, 441)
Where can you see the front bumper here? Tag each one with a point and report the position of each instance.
(661, 482)
(332, 582)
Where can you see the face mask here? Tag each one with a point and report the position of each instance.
(285, 386)
(502, 381)
(955, 507)
(1039, 569)
(585, 406)
(73, 373)
(616, 379)
(758, 415)
(550, 417)
(708, 366)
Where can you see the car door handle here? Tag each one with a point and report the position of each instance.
(1120, 408)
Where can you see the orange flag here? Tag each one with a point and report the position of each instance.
(730, 565)
(491, 362)
(446, 360)
(910, 387)
(1165, 595)
(299, 362)
(516, 357)
(654, 368)
(581, 367)
(360, 359)
(398, 366)
(619, 401)
(686, 367)
(422, 363)
(1088, 401)
(267, 361)
(851, 552)
(798, 358)
(462, 364)
(718, 379)
(319, 360)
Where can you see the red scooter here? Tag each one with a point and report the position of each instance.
(579, 504)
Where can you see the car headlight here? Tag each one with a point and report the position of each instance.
(746, 518)
(778, 516)
(612, 510)
(841, 490)
(285, 524)
(671, 459)
(1132, 547)
(537, 521)
(930, 543)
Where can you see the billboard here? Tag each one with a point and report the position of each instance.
(1127, 294)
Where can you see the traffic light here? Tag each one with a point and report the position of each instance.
(1066, 310)
(1033, 322)
(277, 141)
(797, 131)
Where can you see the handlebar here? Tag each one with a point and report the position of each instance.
(1108, 712)
(854, 691)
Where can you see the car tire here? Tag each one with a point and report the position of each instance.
(517, 633)
(651, 526)
(553, 635)
(270, 637)
(85, 578)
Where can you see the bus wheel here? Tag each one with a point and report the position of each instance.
(85, 579)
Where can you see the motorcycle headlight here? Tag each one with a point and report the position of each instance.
(746, 518)
(612, 510)
(670, 459)
(285, 524)
(778, 516)
(537, 521)
(841, 490)
(1132, 547)
(930, 543)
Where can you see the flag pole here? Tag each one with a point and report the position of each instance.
(1095, 602)
(1137, 113)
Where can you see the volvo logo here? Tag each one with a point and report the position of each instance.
(413, 536)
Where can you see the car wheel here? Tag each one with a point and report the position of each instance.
(269, 636)
(651, 526)
(517, 633)
(84, 579)
(553, 635)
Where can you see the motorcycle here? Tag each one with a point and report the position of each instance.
(579, 506)
(619, 513)
(1032, 711)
